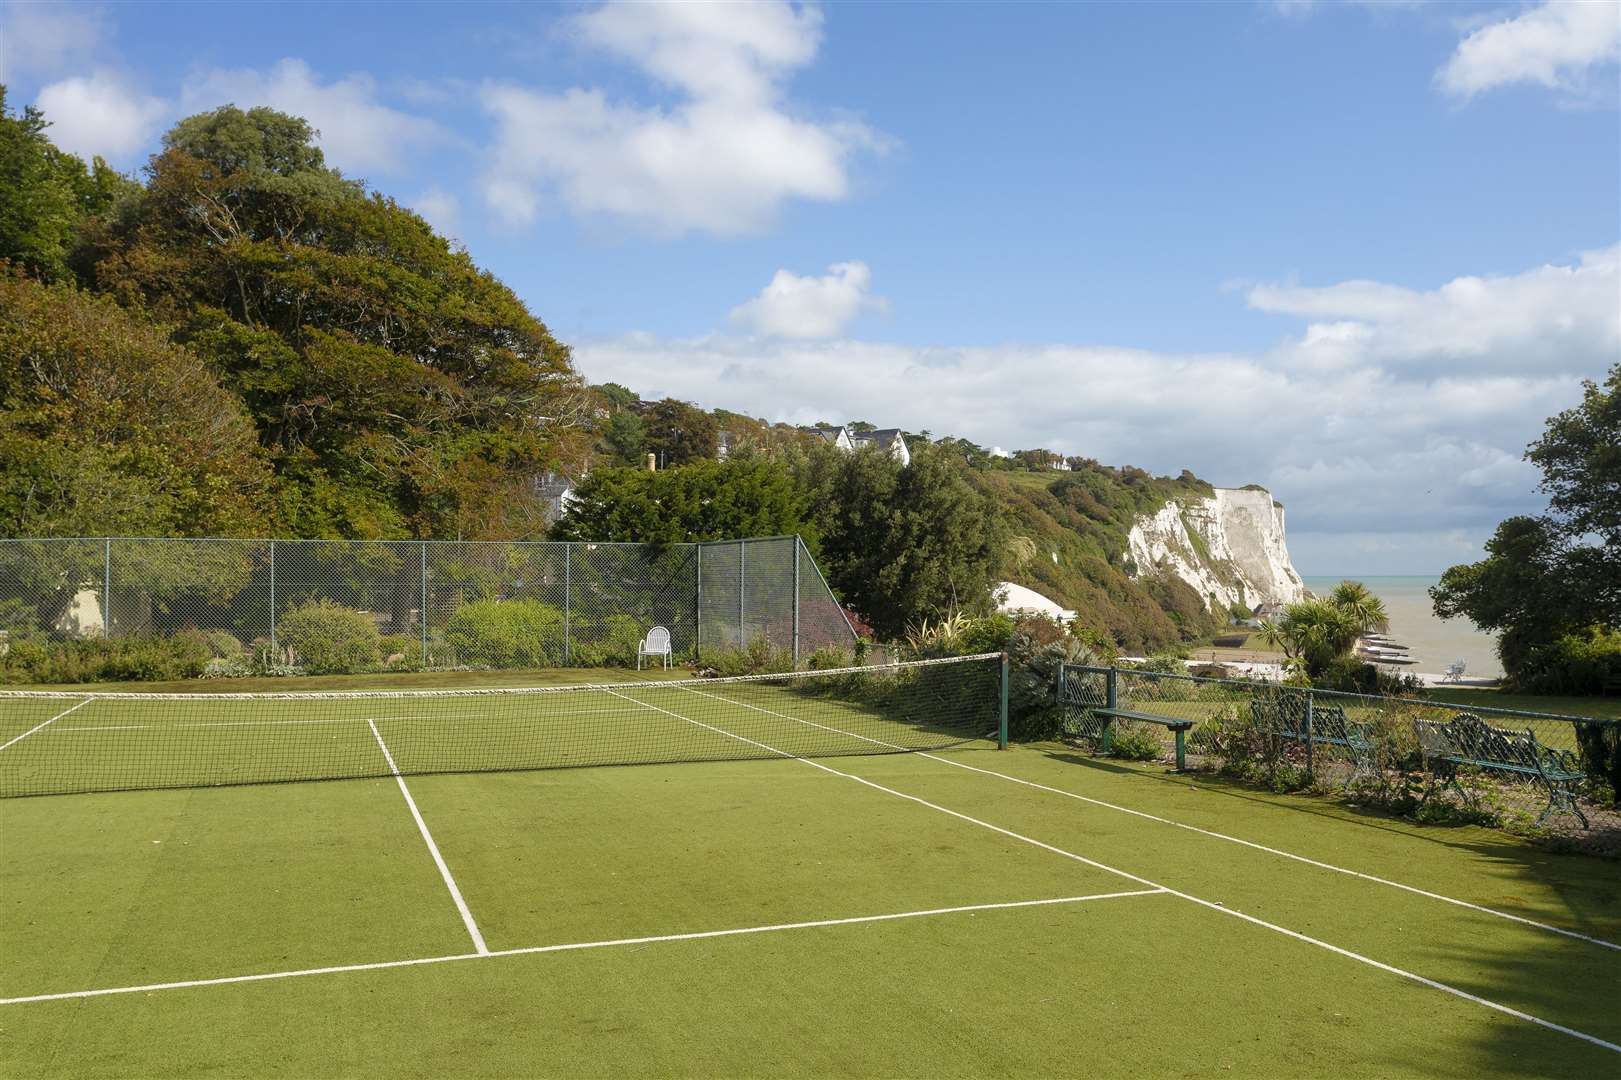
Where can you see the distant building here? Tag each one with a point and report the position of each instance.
(558, 492)
(838, 436)
(885, 439)
(888, 439)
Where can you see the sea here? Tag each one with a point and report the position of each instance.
(1434, 642)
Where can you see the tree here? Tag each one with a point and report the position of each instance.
(46, 194)
(1322, 632)
(399, 390)
(626, 435)
(108, 429)
(679, 433)
(707, 500)
(1548, 576)
(902, 544)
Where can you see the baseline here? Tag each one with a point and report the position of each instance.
(574, 947)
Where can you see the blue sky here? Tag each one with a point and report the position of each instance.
(1355, 252)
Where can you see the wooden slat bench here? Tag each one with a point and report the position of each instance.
(1178, 727)
(1466, 740)
(1284, 717)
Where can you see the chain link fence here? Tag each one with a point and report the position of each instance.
(590, 602)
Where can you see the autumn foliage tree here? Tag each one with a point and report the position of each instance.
(398, 389)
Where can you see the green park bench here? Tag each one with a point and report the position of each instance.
(1466, 740)
(1178, 727)
(1296, 717)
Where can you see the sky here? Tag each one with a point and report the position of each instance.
(1355, 252)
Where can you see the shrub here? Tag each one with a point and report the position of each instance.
(758, 657)
(1575, 663)
(400, 652)
(507, 634)
(609, 642)
(1134, 743)
(146, 659)
(829, 657)
(330, 639)
(223, 644)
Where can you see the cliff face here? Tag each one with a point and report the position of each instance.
(1229, 548)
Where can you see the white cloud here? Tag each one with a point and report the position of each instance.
(809, 307)
(43, 38)
(722, 159)
(1382, 441)
(1556, 45)
(1519, 321)
(100, 114)
(441, 209)
(358, 132)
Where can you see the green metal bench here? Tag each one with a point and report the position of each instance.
(1298, 718)
(1466, 740)
(1178, 727)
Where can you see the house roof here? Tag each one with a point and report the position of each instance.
(884, 437)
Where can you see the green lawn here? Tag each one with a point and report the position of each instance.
(949, 914)
(1606, 707)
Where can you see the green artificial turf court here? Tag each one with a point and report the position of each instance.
(790, 903)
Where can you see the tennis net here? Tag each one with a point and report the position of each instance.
(61, 742)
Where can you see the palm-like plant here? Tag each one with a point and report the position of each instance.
(1366, 609)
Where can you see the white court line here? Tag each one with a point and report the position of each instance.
(1209, 904)
(1549, 927)
(47, 723)
(574, 946)
(433, 848)
(220, 723)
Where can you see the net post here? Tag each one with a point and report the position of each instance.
(107, 588)
(422, 612)
(1111, 701)
(796, 601)
(272, 600)
(1001, 727)
(568, 652)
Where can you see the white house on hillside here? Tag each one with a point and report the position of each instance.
(889, 439)
(885, 439)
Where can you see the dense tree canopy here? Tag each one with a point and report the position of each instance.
(902, 543)
(708, 500)
(1557, 574)
(45, 194)
(108, 428)
(400, 390)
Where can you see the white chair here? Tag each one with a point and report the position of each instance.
(1455, 670)
(656, 643)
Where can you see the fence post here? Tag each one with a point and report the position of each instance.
(697, 598)
(422, 613)
(107, 589)
(796, 601)
(1001, 728)
(1310, 757)
(1111, 700)
(742, 568)
(273, 600)
(568, 651)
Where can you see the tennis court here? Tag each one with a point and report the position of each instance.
(744, 877)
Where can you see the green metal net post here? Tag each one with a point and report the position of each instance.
(1001, 729)
(1310, 757)
(1111, 701)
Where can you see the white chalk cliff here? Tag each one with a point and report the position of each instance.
(1230, 548)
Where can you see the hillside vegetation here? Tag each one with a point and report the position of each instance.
(241, 341)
